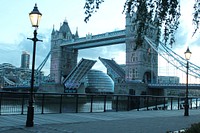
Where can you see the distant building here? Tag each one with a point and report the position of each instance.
(25, 59)
(7, 74)
(11, 75)
(168, 80)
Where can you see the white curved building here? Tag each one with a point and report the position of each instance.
(98, 82)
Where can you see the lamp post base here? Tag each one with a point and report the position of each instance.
(30, 113)
(186, 113)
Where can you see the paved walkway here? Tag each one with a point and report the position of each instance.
(109, 122)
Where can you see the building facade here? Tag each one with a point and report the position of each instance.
(25, 60)
(168, 80)
(11, 75)
(142, 61)
(98, 82)
(63, 59)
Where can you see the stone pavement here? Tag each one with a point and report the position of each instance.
(108, 122)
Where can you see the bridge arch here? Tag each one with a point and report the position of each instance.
(149, 77)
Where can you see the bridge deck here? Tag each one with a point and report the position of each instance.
(115, 122)
(173, 86)
(105, 39)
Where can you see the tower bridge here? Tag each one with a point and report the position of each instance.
(141, 68)
(65, 46)
(138, 76)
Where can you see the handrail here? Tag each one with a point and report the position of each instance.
(16, 102)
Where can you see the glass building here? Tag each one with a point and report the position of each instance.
(25, 59)
(98, 82)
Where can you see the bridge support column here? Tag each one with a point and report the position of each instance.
(63, 60)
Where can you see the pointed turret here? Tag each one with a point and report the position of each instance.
(128, 18)
(65, 30)
(156, 20)
(76, 34)
(53, 31)
(65, 27)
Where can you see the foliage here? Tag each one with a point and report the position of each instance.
(195, 128)
(167, 13)
(196, 15)
(90, 7)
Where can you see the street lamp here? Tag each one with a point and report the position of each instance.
(187, 57)
(35, 17)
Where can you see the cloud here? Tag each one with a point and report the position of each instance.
(181, 36)
(11, 53)
(42, 48)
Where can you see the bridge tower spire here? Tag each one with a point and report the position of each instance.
(63, 59)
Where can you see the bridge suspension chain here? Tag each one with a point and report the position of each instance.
(173, 58)
(43, 63)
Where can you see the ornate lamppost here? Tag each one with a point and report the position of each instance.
(35, 17)
(187, 57)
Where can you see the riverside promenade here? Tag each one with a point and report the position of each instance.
(109, 122)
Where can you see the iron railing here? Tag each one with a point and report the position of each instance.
(16, 103)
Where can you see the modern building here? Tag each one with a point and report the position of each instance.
(168, 80)
(98, 82)
(25, 59)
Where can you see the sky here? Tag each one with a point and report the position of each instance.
(16, 27)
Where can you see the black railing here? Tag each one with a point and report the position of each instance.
(16, 103)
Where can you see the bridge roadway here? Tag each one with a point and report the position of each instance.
(90, 41)
(108, 122)
(174, 86)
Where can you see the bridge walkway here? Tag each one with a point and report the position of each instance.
(109, 122)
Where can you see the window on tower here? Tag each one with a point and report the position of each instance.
(135, 73)
(134, 57)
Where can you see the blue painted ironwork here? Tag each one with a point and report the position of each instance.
(73, 80)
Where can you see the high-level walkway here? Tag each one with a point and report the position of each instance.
(109, 122)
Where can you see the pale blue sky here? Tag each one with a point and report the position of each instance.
(15, 20)
(16, 27)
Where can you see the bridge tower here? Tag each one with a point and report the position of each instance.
(63, 59)
(141, 61)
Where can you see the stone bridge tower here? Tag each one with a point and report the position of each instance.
(141, 63)
(63, 59)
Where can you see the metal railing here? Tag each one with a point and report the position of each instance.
(16, 103)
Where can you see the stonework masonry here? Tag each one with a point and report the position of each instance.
(63, 59)
(141, 63)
